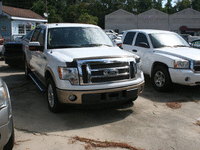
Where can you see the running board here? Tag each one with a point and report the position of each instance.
(37, 82)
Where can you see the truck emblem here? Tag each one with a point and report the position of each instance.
(110, 72)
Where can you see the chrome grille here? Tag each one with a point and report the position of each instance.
(96, 71)
(196, 66)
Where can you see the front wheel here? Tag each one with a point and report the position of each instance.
(161, 79)
(52, 99)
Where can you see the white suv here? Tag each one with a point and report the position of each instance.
(165, 56)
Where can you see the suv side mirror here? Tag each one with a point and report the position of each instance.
(35, 46)
(143, 44)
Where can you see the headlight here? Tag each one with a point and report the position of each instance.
(3, 97)
(181, 64)
(70, 74)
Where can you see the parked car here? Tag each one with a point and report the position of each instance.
(6, 120)
(13, 53)
(114, 38)
(79, 64)
(111, 31)
(1, 45)
(165, 56)
(195, 43)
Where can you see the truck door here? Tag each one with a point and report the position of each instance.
(128, 41)
(142, 48)
(39, 57)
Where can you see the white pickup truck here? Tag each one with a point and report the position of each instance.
(165, 56)
(79, 64)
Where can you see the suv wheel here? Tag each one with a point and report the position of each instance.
(52, 99)
(161, 79)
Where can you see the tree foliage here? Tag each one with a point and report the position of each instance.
(94, 11)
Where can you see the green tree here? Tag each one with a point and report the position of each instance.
(168, 7)
(157, 4)
(196, 4)
(144, 5)
(86, 18)
(180, 5)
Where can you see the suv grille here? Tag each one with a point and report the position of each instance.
(106, 70)
(196, 66)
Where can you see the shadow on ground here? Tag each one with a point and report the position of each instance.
(179, 93)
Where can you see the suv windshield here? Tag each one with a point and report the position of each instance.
(72, 37)
(167, 40)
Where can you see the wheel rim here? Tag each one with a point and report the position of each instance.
(159, 79)
(50, 96)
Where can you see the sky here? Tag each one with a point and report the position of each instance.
(165, 1)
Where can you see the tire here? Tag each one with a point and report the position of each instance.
(161, 79)
(10, 144)
(53, 103)
(26, 70)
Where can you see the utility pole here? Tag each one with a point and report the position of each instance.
(46, 7)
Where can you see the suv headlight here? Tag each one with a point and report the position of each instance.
(70, 74)
(181, 64)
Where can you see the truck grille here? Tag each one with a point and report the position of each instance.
(196, 66)
(98, 71)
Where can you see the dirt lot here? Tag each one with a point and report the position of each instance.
(150, 124)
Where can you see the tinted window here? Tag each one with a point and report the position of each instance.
(141, 38)
(35, 34)
(41, 37)
(196, 44)
(28, 35)
(129, 38)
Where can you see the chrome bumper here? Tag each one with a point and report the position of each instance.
(64, 94)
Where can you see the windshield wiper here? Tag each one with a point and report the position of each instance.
(63, 46)
(159, 46)
(180, 46)
(94, 45)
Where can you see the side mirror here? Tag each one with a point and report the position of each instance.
(143, 44)
(35, 46)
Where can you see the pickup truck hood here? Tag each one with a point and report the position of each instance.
(182, 52)
(90, 52)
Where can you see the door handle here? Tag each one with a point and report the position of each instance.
(134, 50)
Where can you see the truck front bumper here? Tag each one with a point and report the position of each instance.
(6, 127)
(184, 76)
(120, 94)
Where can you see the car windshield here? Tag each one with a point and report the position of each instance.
(167, 40)
(76, 37)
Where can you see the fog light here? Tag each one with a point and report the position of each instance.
(72, 97)
(187, 79)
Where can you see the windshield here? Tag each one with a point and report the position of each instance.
(76, 37)
(167, 40)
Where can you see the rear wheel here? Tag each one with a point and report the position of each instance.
(52, 99)
(161, 79)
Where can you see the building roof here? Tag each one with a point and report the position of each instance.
(149, 31)
(19, 12)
